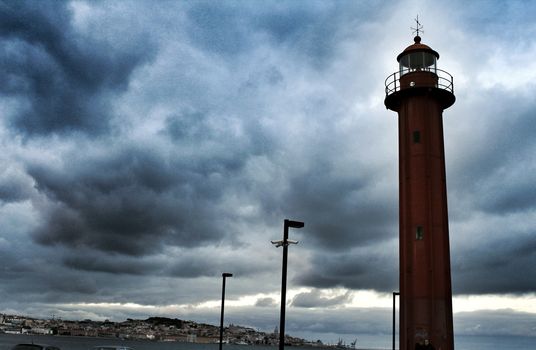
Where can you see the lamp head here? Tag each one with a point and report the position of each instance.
(294, 224)
(278, 243)
(227, 274)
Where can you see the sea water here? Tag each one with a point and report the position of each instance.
(85, 343)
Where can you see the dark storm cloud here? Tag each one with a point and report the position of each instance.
(218, 28)
(371, 268)
(195, 263)
(33, 275)
(14, 186)
(311, 32)
(15, 266)
(314, 299)
(131, 201)
(244, 116)
(503, 265)
(340, 212)
(188, 263)
(507, 186)
(496, 172)
(62, 78)
(226, 148)
(492, 198)
(314, 31)
(38, 279)
(110, 264)
(341, 215)
(187, 126)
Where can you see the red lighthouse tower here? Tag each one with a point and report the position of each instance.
(419, 92)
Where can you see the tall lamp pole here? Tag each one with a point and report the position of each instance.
(224, 275)
(394, 320)
(284, 243)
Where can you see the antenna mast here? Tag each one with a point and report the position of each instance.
(418, 27)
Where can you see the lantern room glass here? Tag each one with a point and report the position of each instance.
(417, 61)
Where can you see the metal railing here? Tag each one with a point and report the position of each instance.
(445, 81)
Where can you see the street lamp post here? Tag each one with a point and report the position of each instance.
(224, 275)
(394, 321)
(284, 243)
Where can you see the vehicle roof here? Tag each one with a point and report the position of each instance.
(35, 345)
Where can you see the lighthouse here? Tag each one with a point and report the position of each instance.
(419, 92)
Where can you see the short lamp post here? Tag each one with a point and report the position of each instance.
(224, 275)
(394, 320)
(284, 243)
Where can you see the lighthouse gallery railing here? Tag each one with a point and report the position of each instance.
(445, 81)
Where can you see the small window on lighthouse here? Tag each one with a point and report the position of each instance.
(416, 136)
(419, 233)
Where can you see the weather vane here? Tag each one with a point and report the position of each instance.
(418, 27)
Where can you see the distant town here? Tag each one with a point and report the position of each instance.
(153, 328)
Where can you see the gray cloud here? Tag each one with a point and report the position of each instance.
(488, 269)
(495, 323)
(144, 155)
(495, 172)
(491, 199)
(15, 185)
(132, 202)
(112, 265)
(315, 299)
(355, 270)
(43, 283)
(311, 32)
(320, 196)
(265, 302)
(63, 78)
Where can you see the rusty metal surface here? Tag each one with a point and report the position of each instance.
(420, 96)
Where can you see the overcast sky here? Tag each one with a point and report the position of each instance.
(146, 147)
